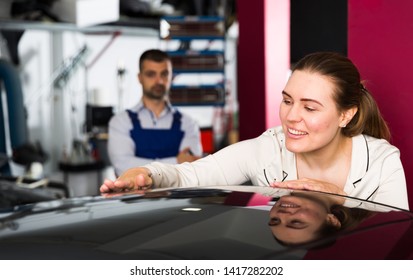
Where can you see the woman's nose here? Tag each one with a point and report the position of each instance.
(294, 114)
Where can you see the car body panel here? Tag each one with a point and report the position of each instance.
(202, 223)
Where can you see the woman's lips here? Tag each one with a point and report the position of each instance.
(288, 205)
(284, 203)
(296, 132)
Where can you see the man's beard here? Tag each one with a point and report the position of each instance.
(157, 92)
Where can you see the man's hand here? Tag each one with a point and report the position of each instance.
(132, 179)
(186, 156)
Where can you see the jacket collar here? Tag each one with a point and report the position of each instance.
(360, 160)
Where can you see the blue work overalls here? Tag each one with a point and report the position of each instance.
(156, 143)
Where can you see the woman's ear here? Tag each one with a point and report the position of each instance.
(331, 219)
(348, 115)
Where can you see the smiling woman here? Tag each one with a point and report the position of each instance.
(332, 139)
(304, 217)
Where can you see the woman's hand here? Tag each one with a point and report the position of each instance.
(132, 179)
(309, 184)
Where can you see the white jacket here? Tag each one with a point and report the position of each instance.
(376, 172)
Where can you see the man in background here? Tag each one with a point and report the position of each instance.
(153, 130)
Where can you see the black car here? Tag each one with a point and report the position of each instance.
(216, 223)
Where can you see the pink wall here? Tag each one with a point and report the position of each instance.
(380, 43)
(263, 63)
(277, 56)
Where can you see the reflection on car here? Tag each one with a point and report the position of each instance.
(217, 222)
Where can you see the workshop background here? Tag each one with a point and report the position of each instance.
(76, 63)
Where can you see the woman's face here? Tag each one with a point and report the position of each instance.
(297, 219)
(308, 112)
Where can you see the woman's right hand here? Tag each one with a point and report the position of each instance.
(138, 178)
(309, 184)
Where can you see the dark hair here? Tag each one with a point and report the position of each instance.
(154, 55)
(350, 92)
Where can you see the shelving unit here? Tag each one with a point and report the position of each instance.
(130, 27)
(198, 59)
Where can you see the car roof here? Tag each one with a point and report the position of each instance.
(217, 222)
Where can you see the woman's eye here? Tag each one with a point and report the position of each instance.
(310, 109)
(286, 101)
(274, 222)
(296, 222)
